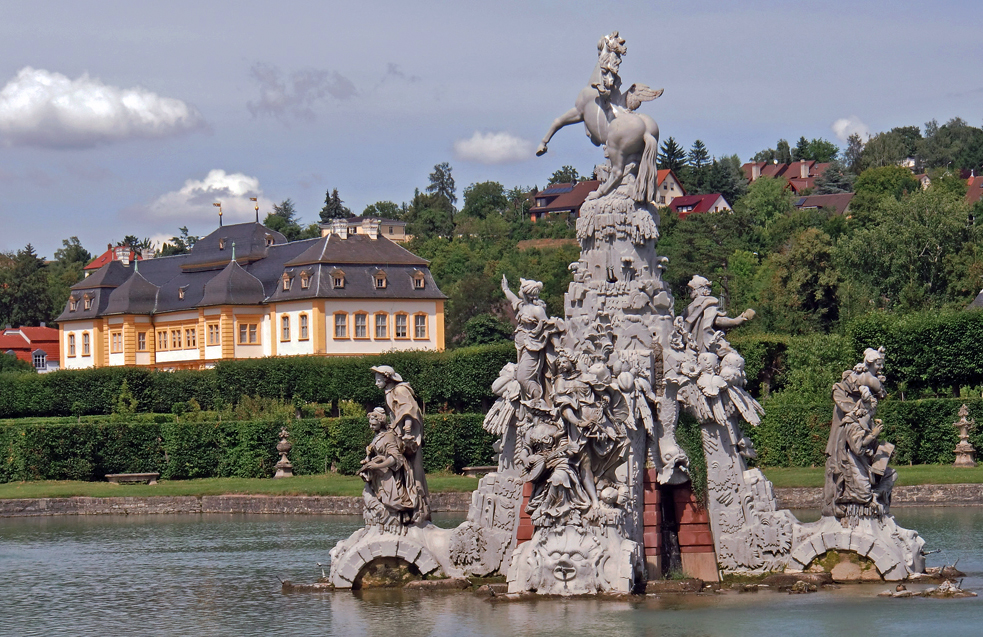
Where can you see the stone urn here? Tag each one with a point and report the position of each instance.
(284, 469)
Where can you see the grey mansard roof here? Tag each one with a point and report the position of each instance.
(207, 277)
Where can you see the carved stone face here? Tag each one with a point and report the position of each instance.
(380, 380)
(376, 420)
(569, 562)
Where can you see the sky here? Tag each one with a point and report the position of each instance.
(130, 118)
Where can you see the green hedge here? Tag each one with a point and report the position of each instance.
(459, 380)
(247, 449)
(794, 434)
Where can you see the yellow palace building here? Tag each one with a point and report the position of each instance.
(243, 291)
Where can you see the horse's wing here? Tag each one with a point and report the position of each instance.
(639, 93)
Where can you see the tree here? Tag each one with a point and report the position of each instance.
(24, 295)
(903, 257)
(854, 153)
(10, 363)
(181, 244)
(671, 156)
(835, 179)
(383, 210)
(565, 175)
(519, 203)
(334, 207)
(727, 178)
(698, 155)
(66, 270)
(484, 199)
(695, 180)
(886, 180)
(783, 153)
(955, 145)
(822, 151)
(484, 329)
(883, 149)
(800, 293)
(442, 183)
(285, 210)
(801, 150)
(767, 199)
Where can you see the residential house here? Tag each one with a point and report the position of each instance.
(567, 198)
(800, 175)
(123, 254)
(840, 202)
(689, 204)
(35, 345)
(392, 229)
(243, 291)
(974, 188)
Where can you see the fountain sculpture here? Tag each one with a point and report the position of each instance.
(589, 468)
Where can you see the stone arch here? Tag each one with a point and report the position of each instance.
(363, 552)
(890, 566)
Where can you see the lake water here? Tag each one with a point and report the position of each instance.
(217, 575)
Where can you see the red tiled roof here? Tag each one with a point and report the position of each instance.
(700, 203)
(36, 334)
(571, 200)
(974, 189)
(106, 257)
(839, 201)
(24, 340)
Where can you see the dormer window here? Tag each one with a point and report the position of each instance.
(286, 281)
(73, 304)
(418, 280)
(305, 280)
(180, 292)
(269, 240)
(221, 243)
(338, 279)
(87, 303)
(380, 280)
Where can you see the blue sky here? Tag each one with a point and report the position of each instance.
(124, 118)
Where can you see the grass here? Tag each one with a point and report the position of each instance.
(335, 484)
(907, 475)
(324, 484)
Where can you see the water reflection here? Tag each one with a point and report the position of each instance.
(217, 575)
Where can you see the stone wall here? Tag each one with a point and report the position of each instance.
(917, 495)
(301, 505)
(788, 498)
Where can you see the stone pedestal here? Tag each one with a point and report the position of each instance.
(284, 469)
(965, 453)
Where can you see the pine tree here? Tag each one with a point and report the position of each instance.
(801, 151)
(24, 295)
(783, 153)
(334, 207)
(698, 155)
(671, 156)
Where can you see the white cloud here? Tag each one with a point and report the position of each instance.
(493, 148)
(194, 200)
(41, 108)
(846, 126)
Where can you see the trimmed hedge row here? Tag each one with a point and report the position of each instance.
(246, 449)
(794, 434)
(459, 380)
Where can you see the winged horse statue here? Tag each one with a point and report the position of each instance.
(610, 118)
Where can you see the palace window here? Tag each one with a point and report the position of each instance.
(115, 342)
(71, 345)
(248, 333)
(213, 334)
(85, 344)
(361, 325)
(284, 328)
(141, 341)
(175, 339)
(341, 326)
(381, 326)
(303, 328)
(420, 326)
(39, 360)
(399, 326)
(191, 338)
(161, 340)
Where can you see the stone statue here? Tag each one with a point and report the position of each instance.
(532, 335)
(391, 499)
(858, 480)
(406, 421)
(610, 118)
(703, 317)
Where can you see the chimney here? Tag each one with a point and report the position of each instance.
(755, 171)
(804, 169)
(122, 254)
(370, 227)
(339, 227)
(42, 324)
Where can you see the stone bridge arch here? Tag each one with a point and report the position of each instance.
(355, 559)
(890, 565)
